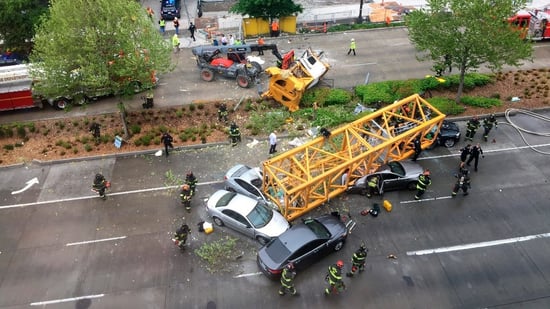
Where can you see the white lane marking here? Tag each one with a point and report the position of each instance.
(248, 275)
(426, 199)
(486, 151)
(220, 181)
(94, 241)
(64, 300)
(29, 183)
(358, 64)
(479, 244)
(95, 196)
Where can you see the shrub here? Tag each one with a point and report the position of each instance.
(217, 254)
(192, 107)
(21, 131)
(371, 94)
(146, 139)
(9, 147)
(19, 144)
(135, 129)
(87, 147)
(338, 97)
(480, 102)
(200, 106)
(179, 113)
(446, 106)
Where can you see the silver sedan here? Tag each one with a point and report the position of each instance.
(246, 215)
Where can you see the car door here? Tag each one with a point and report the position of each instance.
(390, 181)
(308, 253)
(237, 222)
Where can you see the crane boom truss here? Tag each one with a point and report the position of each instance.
(307, 176)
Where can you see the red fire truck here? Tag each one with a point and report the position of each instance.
(16, 88)
(533, 25)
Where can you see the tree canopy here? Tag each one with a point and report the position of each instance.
(268, 9)
(468, 34)
(83, 48)
(17, 22)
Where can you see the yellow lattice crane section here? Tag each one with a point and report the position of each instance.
(307, 176)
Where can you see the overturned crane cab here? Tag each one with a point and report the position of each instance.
(288, 82)
(310, 175)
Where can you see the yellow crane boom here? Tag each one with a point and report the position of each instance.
(307, 176)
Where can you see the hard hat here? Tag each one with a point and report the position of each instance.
(353, 40)
(340, 264)
(363, 247)
(185, 187)
(189, 173)
(290, 266)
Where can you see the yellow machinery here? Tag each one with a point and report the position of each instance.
(288, 83)
(307, 176)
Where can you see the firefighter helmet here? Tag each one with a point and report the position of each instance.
(185, 187)
(290, 266)
(363, 247)
(340, 263)
(190, 174)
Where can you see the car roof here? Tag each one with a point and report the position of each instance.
(244, 172)
(235, 201)
(300, 232)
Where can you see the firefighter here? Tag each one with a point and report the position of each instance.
(191, 180)
(372, 186)
(181, 235)
(464, 152)
(463, 183)
(471, 128)
(488, 124)
(100, 185)
(234, 134)
(95, 129)
(423, 182)
(334, 278)
(474, 155)
(222, 112)
(287, 280)
(358, 260)
(185, 196)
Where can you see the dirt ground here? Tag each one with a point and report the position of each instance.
(70, 137)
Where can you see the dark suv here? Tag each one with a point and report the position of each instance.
(449, 134)
(170, 9)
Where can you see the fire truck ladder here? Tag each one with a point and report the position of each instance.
(307, 176)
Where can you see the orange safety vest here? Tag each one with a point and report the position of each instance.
(275, 26)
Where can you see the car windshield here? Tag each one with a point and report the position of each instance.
(277, 251)
(317, 228)
(225, 199)
(260, 215)
(396, 168)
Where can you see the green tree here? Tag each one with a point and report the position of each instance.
(270, 9)
(94, 47)
(17, 22)
(468, 34)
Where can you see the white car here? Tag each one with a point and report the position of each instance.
(246, 215)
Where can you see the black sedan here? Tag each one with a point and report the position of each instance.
(449, 134)
(303, 244)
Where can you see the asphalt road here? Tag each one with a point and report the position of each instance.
(383, 54)
(63, 247)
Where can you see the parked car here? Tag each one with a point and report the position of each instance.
(170, 9)
(246, 215)
(303, 244)
(246, 180)
(394, 175)
(449, 134)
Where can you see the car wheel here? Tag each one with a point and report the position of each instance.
(257, 66)
(61, 103)
(339, 245)
(243, 81)
(262, 240)
(450, 142)
(412, 185)
(207, 75)
(218, 221)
